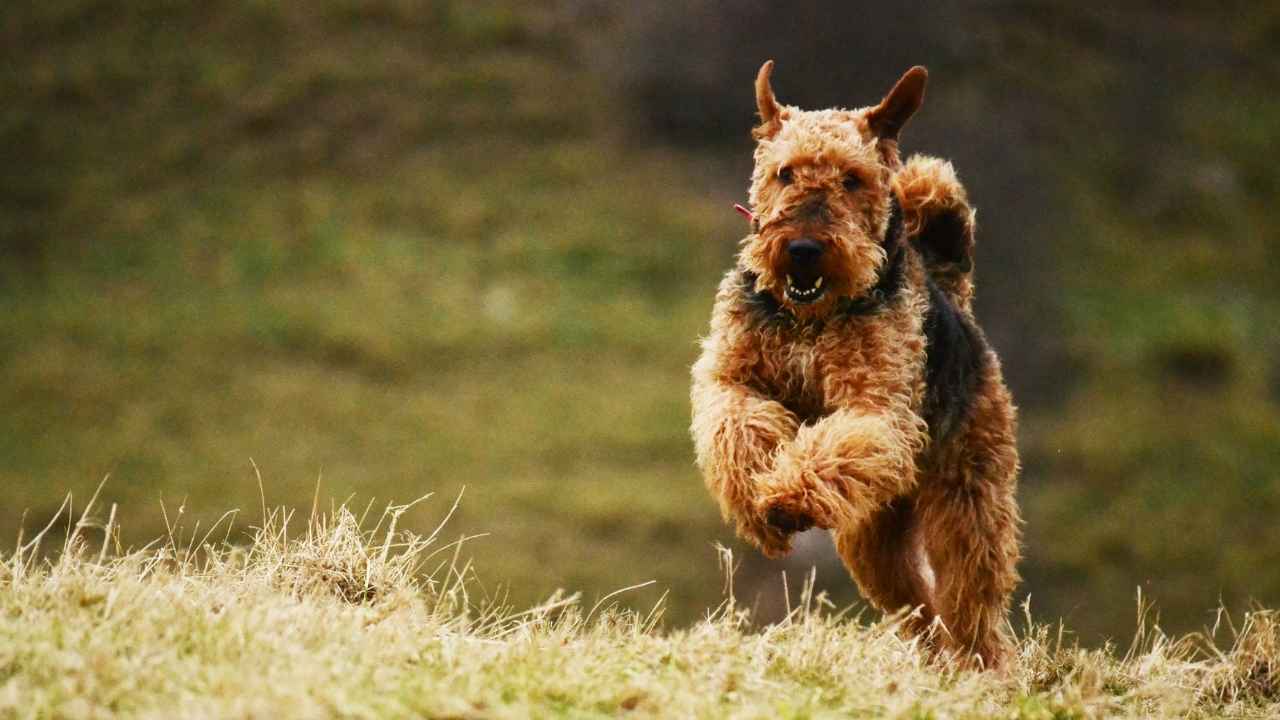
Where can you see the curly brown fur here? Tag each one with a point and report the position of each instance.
(844, 383)
(940, 223)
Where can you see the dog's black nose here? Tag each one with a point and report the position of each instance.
(804, 251)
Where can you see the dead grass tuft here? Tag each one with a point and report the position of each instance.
(349, 616)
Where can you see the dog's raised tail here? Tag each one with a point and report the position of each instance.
(939, 221)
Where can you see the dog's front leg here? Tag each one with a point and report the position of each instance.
(736, 435)
(838, 471)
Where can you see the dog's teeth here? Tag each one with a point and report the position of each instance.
(817, 284)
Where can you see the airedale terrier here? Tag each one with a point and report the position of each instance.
(845, 384)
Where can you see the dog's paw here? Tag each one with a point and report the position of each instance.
(787, 520)
(772, 541)
(790, 512)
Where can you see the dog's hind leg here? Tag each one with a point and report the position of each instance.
(968, 520)
(886, 557)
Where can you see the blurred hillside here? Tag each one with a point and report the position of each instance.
(397, 247)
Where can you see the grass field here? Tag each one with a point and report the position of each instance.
(438, 313)
(407, 246)
(340, 614)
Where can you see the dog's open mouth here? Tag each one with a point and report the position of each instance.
(804, 289)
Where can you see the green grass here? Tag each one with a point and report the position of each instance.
(1167, 448)
(542, 366)
(391, 248)
(512, 309)
(344, 615)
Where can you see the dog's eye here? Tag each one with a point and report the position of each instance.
(852, 182)
(785, 175)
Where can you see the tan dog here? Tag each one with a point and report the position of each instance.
(844, 382)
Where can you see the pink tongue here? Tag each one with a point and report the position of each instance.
(744, 212)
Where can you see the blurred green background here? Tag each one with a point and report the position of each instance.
(401, 246)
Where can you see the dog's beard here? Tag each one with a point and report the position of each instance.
(848, 270)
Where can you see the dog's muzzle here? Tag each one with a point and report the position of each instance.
(804, 279)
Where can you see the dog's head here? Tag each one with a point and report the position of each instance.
(821, 195)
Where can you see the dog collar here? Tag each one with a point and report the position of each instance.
(889, 279)
(750, 216)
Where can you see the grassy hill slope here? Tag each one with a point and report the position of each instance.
(341, 621)
(394, 247)
(405, 258)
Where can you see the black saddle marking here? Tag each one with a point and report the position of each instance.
(955, 357)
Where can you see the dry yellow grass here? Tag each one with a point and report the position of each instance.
(344, 618)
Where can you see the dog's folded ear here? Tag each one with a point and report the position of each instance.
(770, 114)
(887, 119)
